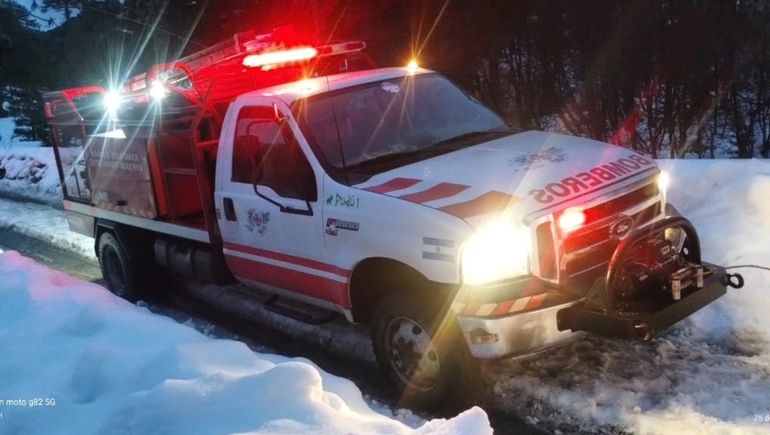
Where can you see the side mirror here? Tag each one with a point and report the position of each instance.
(278, 116)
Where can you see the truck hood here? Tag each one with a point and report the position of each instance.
(523, 173)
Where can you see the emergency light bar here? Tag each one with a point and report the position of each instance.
(268, 51)
(298, 54)
(279, 57)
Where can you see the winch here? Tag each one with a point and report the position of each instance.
(651, 283)
(650, 267)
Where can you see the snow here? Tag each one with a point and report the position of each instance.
(44, 223)
(102, 365)
(7, 137)
(27, 170)
(30, 174)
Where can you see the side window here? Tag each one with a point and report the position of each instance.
(266, 153)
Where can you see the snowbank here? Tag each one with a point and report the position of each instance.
(709, 374)
(27, 170)
(98, 364)
(44, 223)
(30, 174)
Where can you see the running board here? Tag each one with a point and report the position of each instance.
(298, 311)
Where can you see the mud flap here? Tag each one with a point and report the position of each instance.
(642, 325)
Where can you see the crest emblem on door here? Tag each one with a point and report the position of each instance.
(257, 221)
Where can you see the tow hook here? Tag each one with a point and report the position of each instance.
(734, 280)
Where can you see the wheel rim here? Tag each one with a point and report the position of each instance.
(113, 271)
(412, 354)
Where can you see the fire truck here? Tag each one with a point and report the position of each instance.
(387, 196)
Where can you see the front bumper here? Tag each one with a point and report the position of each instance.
(643, 326)
(517, 334)
(493, 333)
(512, 317)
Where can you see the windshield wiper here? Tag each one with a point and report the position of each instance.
(437, 148)
(394, 157)
(471, 136)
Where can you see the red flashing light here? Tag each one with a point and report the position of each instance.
(71, 94)
(571, 220)
(279, 57)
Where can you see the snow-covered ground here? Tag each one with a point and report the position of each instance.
(27, 170)
(709, 374)
(44, 223)
(76, 359)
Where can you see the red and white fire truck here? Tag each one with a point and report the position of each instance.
(388, 195)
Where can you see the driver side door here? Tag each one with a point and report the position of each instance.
(269, 214)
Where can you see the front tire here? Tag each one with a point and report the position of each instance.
(117, 268)
(420, 347)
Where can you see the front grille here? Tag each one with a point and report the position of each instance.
(584, 254)
(600, 233)
(620, 204)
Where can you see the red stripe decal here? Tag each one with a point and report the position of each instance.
(299, 261)
(535, 301)
(292, 280)
(392, 185)
(502, 308)
(442, 190)
(486, 203)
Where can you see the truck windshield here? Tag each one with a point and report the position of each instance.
(381, 125)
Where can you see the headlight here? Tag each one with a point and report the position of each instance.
(495, 252)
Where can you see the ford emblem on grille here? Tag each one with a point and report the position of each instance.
(621, 226)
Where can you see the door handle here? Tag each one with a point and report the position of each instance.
(229, 209)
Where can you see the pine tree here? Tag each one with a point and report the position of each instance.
(26, 107)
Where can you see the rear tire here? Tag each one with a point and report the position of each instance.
(117, 269)
(420, 347)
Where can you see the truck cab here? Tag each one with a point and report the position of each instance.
(395, 198)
